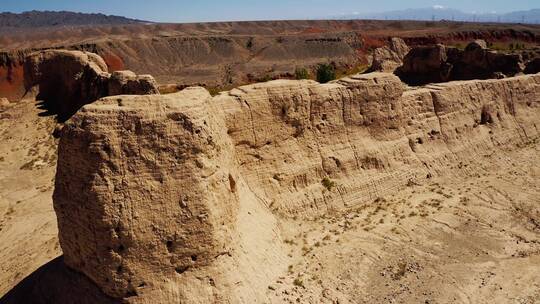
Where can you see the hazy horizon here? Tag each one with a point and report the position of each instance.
(211, 10)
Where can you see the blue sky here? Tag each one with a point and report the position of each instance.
(214, 10)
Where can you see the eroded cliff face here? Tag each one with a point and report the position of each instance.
(366, 134)
(179, 196)
(234, 53)
(209, 60)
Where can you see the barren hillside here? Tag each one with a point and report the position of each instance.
(227, 54)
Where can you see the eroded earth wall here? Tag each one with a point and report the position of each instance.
(178, 196)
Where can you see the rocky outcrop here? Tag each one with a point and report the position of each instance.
(67, 80)
(438, 63)
(388, 58)
(176, 196)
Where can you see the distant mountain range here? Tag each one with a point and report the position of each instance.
(35, 19)
(437, 13)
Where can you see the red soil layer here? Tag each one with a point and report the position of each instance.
(12, 82)
(12, 76)
(114, 62)
(313, 30)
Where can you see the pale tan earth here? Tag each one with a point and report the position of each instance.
(28, 229)
(362, 190)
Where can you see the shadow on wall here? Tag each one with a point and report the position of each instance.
(55, 283)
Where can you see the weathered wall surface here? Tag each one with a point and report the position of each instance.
(177, 195)
(150, 191)
(367, 134)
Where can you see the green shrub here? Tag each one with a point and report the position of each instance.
(325, 73)
(266, 78)
(328, 184)
(301, 73)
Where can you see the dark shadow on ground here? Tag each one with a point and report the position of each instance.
(55, 283)
(47, 109)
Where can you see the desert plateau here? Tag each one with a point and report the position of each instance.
(332, 160)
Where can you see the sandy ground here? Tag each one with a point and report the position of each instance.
(470, 237)
(28, 233)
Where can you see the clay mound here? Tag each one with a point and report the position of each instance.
(67, 80)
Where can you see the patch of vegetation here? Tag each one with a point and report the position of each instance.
(516, 46)
(266, 78)
(228, 75)
(509, 46)
(10, 210)
(289, 242)
(301, 73)
(249, 43)
(298, 282)
(361, 68)
(325, 73)
(328, 184)
(29, 165)
(380, 200)
(290, 269)
(217, 89)
(400, 271)
(214, 90)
